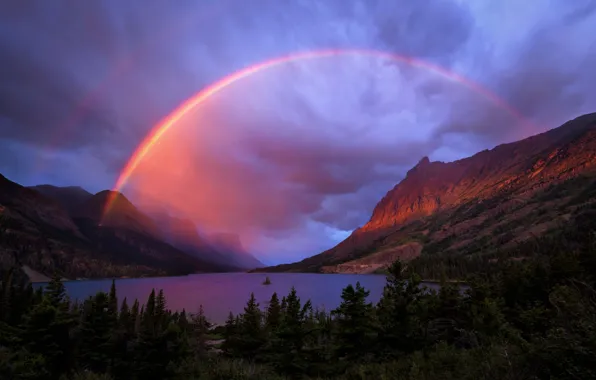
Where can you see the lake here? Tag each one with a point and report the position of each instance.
(220, 293)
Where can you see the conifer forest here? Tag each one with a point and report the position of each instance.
(531, 318)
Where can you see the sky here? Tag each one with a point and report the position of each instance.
(295, 157)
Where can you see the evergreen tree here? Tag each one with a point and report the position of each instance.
(354, 327)
(55, 293)
(160, 311)
(135, 317)
(199, 328)
(97, 328)
(183, 321)
(291, 335)
(273, 316)
(125, 318)
(231, 331)
(47, 332)
(149, 312)
(401, 314)
(284, 304)
(252, 337)
(123, 334)
(113, 300)
(528, 319)
(445, 317)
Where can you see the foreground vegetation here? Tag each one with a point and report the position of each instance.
(519, 319)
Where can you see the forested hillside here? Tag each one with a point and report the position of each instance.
(533, 318)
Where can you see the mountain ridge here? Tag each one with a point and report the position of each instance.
(38, 233)
(512, 172)
(182, 232)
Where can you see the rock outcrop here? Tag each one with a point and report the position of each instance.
(434, 199)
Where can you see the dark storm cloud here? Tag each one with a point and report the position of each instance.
(81, 83)
(427, 29)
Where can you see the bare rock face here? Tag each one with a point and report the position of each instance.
(510, 173)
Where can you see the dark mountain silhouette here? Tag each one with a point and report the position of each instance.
(121, 214)
(496, 198)
(69, 197)
(39, 233)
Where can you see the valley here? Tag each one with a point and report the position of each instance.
(443, 219)
(47, 229)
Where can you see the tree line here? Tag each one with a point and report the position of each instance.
(517, 319)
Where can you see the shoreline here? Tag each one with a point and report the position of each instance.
(39, 278)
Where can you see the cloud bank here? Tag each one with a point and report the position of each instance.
(295, 157)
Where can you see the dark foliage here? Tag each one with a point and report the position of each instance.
(515, 319)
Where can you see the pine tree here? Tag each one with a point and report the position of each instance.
(273, 317)
(231, 331)
(444, 320)
(152, 355)
(135, 317)
(284, 304)
(96, 331)
(160, 311)
(125, 317)
(355, 329)
(113, 299)
(400, 312)
(55, 293)
(252, 338)
(123, 334)
(149, 312)
(199, 329)
(183, 321)
(291, 335)
(47, 330)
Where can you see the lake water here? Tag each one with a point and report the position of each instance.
(220, 293)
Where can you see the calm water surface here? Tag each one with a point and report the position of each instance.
(220, 293)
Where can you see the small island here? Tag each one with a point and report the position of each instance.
(267, 281)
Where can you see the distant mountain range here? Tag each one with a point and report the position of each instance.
(47, 229)
(491, 201)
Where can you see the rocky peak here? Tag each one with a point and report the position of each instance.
(423, 162)
(520, 166)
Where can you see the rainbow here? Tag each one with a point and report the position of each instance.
(164, 126)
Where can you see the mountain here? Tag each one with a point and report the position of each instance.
(69, 197)
(23, 207)
(122, 213)
(224, 249)
(229, 245)
(183, 233)
(40, 235)
(149, 217)
(476, 206)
